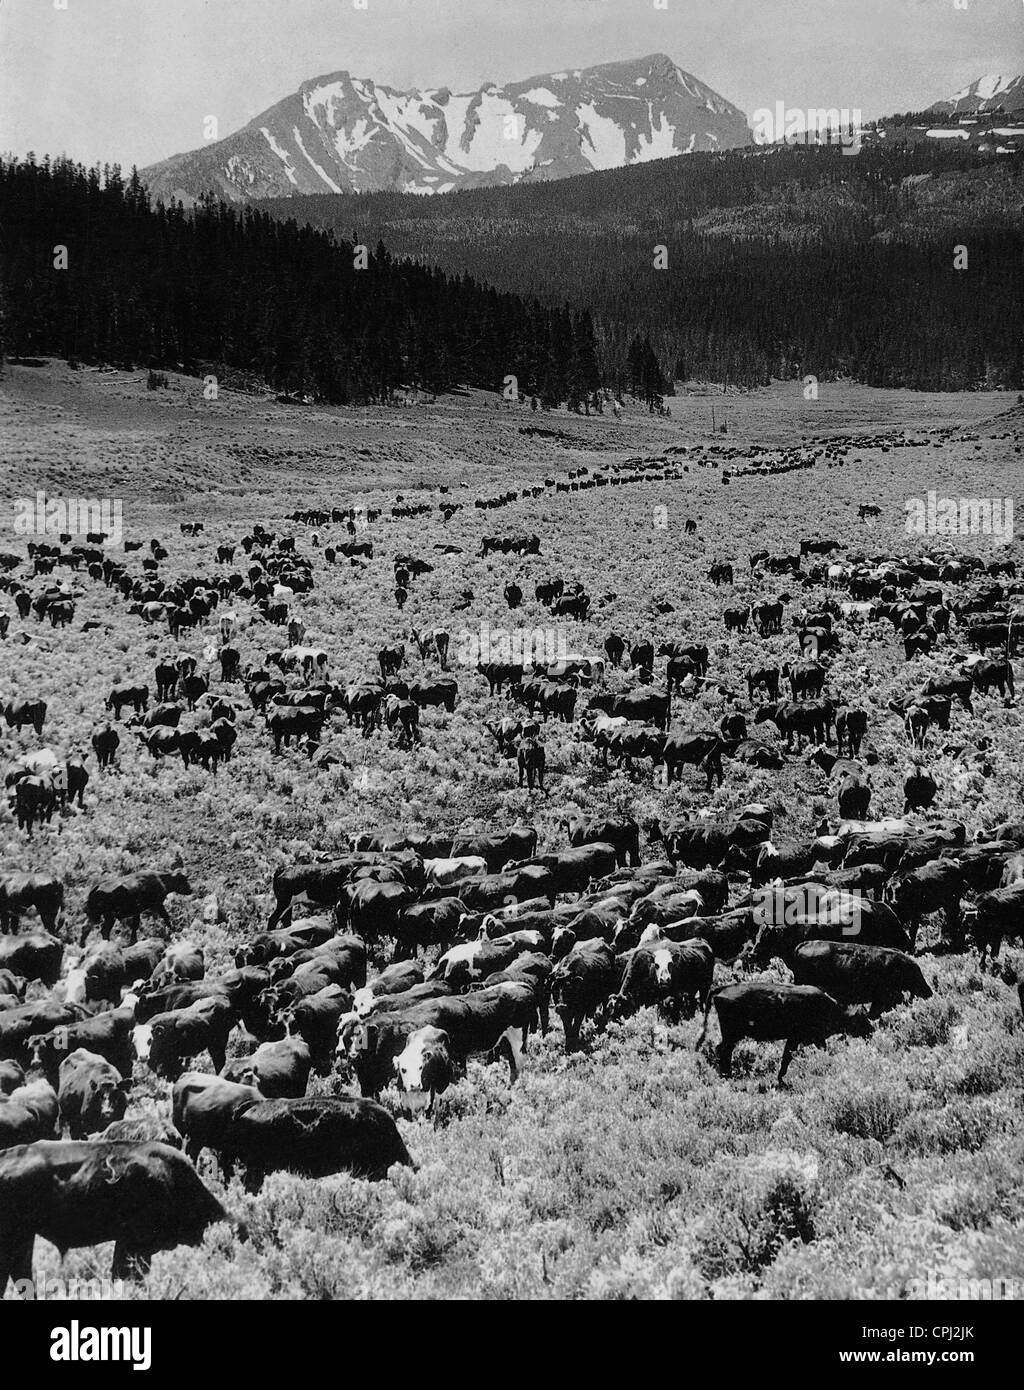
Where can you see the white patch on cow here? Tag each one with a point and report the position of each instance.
(142, 1040)
(74, 987)
(662, 966)
(363, 1001)
(460, 955)
(409, 1063)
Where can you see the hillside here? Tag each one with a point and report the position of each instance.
(786, 262)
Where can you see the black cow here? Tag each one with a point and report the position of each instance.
(856, 974)
(581, 984)
(105, 743)
(801, 1015)
(995, 915)
(126, 899)
(620, 831)
(498, 849)
(674, 976)
(851, 728)
(19, 892)
(145, 1197)
(18, 713)
(34, 957)
(314, 1136)
(92, 1093)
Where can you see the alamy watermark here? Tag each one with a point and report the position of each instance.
(55, 1289)
(520, 646)
(99, 518)
(776, 906)
(960, 516)
(793, 125)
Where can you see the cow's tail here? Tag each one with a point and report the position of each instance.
(712, 995)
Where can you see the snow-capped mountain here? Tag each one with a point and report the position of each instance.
(986, 94)
(344, 134)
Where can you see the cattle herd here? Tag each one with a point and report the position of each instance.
(420, 950)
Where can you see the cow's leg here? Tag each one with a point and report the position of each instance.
(16, 1261)
(787, 1057)
(510, 1046)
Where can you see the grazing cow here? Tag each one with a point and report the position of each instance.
(810, 912)
(372, 909)
(135, 695)
(145, 1197)
(105, 743)
(801, 1015)
(936, 886)
(673, 751)
(296, 721)
(855, 974)
(851, 729)
(442, 873)
(33, 957)
(107, 1034)
(19, 892)
(736, 619)
(581, 984)
(125, 899)
(615, 649)
(434, 693)
(390, 661)
(30, 1112)
(622, 832)
(917, 722)
(393, 982)
(11, 1077)
(531, 759)
(768, 617)
(436, 642)
(644, 707)
(949, 685)
(854, 797)
(168, 1040)
(314, 1136)
(806, 679)
(994, 915)
(986, 674)
(18, 713)
(810, 719)
(431, 923)
(919, 791)
(91, 1093)
(475, 960)
(674, 976)
(442, 1033)
(766, 677)
(498, 849)
(277, 1069)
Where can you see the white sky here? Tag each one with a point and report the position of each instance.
(132, 80)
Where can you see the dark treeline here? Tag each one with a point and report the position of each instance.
(783, 263)
(249, 294)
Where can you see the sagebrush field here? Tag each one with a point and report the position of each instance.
(631, 1169)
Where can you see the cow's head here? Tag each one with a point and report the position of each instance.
(662, 964)
(142, 1042)
(424, 1067)
(356, 1038)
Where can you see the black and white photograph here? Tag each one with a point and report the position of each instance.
(510, 614)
